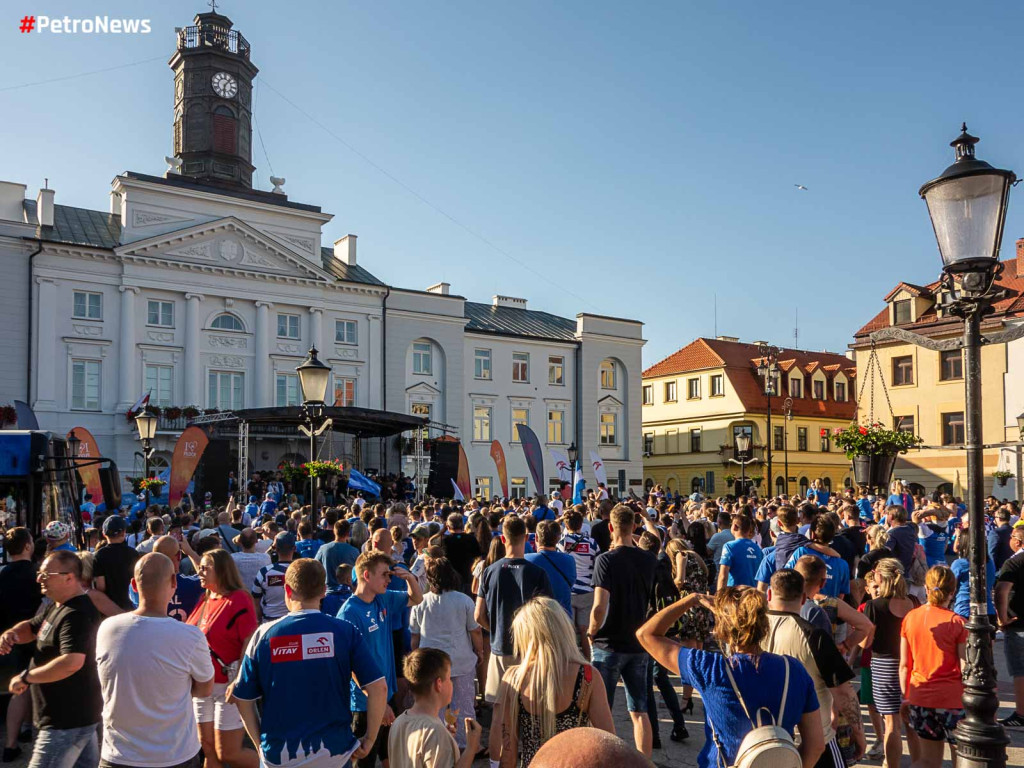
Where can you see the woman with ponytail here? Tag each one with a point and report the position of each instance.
(933, 645)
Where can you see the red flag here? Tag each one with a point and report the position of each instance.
(87, 449)
(499, 461)
(187, 452)
(463, 477)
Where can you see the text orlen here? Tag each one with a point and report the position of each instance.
(97, 25)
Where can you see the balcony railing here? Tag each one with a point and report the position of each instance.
(210, 35)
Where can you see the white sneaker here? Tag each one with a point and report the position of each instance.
(875, 752)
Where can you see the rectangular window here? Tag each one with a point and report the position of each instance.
(901, 312)
(346, 332)
(905, 424)
(158, 384)
(648, 391)
(226, 390)
(801, 438)
(481, 422)
(953, 428)
(840, 391)
(649, 443)
(519, 416)
(670, 391)
(717, 385)
(85, 385)
(825, 444)
(287, 390)
(902, 370)
(695, 441)
(607, 374)
(287, 326)
(521, 367)
(608, 421)
(422, 362)
(160, 313)
(344, 391)
(517, 487)
(778, 438)
(819, 390)
(951, 365)
(796, 387)
(692, 389)
(87, 306)
(555, 427)
(482, 488)
(556, 370)
(482, 364)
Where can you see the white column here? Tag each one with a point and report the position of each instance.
(261, 364)
(193, 373)
(316, 327)
(374, 371)
(128, 386)
(46, 337)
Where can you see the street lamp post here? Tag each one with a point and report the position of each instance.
(767, 367)
(313, 379)
(145, 422)
(967, 207)
(787, 407)
(744, 457)
(572, 452)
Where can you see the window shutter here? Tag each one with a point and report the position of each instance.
(224, 134)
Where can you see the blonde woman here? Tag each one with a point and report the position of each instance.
(898, 495)
(689, 575)
(551, 690)
(886, 612)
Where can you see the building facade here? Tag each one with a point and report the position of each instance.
(697, 401)
(206, 293)
(926, 388)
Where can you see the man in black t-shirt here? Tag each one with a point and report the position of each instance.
(461, 549)
(114, 563)
(1009, 599)
(623, 580)
(62, 674)
(599, 531)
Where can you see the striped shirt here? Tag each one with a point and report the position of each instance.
(585, 551)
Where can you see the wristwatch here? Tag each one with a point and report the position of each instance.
(24, 677)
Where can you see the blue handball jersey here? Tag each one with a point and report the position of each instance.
(837, 579)
(934, 538)
(375, 621)
(306, 659)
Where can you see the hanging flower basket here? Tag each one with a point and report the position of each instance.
(873, 449)
(1001, 476)
(293, 474)
(323, 468)
(172, 412)
(190, 411)
(8, 415)
(152, 484)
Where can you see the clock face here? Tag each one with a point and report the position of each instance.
(224, 85)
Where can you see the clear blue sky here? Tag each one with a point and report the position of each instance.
(642, 154)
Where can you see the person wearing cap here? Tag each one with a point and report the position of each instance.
(268, 586)
(58, 534)
(114, 563)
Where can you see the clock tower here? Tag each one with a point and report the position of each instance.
(213, 103)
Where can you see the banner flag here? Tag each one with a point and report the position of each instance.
(357, 481)
(534, 456)
(187, 452)
(499, 461)
(25, 415)
(599, 471)
(579, 484)
(561, 459)
(457, 492)
(87, 449)
(462, 480)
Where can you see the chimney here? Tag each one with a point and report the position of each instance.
(727, 338)
(508, 301)
(44, 207)
(759, 342)
(12, 202)
(1020, 257)
(345, 250)
(442, 288)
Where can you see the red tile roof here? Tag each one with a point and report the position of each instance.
(913, 290)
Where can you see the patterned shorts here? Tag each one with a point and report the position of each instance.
(935, 724)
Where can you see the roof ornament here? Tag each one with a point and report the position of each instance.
(213, 5)
(278, 182)
(173, 166)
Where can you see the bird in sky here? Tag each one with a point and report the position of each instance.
(801, 187)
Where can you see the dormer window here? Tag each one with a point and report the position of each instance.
(796, 387)
(901, 312)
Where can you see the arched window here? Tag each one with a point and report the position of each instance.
(780, 485)
(227, 322)
(804, 485)
(916, 489)
(848, 482)
(607, 374)
(224, 130)
(827, 482)
(697, 485)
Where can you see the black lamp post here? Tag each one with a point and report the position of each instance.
(767, 367)
(573, 453)
(743, 454)
(787, 408)
(73, 447)
(313, 379)
(967, 206)
(145, 422)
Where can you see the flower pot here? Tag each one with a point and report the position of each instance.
(1001, 481)
(873, 471)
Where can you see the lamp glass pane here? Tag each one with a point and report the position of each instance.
(314, 383)
(965, 213)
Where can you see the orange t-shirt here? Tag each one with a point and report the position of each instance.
(933, 634)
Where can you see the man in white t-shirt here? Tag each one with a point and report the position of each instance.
(147, 708)
(556, 503)
(248, 560)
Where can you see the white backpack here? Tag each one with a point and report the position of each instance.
(767, 745)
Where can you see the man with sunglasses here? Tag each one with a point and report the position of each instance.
(62, 677)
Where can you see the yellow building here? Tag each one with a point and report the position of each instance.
(926, 388)
(697, 400)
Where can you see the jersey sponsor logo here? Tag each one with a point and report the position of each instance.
(275, 579)
(319, 645)
(286, 648)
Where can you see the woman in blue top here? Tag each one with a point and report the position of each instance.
(961, 569)
(900, 496)
(741, 622)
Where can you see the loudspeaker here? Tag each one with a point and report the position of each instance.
(444, 467)
(110, 484)
(212, 473)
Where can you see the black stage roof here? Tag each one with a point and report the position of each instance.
(361, 422)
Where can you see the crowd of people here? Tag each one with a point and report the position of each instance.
(270, 633)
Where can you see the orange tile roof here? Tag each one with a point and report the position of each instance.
(913, 290)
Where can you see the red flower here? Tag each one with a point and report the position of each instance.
(824, 432)
(863, 430)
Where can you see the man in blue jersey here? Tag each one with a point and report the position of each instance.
(308, 660)
(933, 535)
(837, 582)
(741, 556)
(268, 587)
(377, 611)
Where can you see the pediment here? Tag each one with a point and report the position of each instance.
(610, 400)
(422, 388)
(227, 244)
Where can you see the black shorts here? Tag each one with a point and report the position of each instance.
(380, 746)
(398, 643)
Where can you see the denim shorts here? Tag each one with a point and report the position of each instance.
(1013, 646)
(66, 748)
(631, 668)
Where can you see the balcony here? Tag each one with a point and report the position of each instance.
(212, 35)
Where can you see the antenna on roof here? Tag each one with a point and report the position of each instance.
(796, 329)
(716, 317)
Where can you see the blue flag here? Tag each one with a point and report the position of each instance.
(579, 484)
(357, 481)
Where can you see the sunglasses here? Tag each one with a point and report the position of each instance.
(45, 575)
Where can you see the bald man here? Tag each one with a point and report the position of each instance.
(147, 707)
(585, 748)
(187, 589)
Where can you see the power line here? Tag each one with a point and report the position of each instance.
(424, 200)
(82, 74)
(259, 133)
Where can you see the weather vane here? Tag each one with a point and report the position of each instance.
(213, 5)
